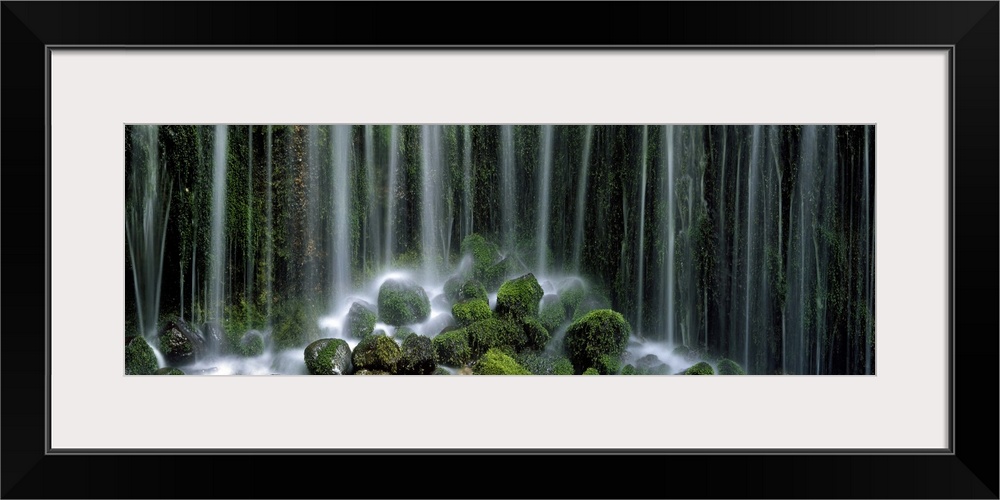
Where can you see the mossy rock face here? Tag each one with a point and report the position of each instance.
(452, 348)
(376, 353)
(629, 370)
(472, 290)
(497, 273)
(484, 254)
(419, 356)
(591, 303)
(372, 372)
(139, 357)
(591, 371)
(545, 363)
(329, 357)
(519, 297)
(451, 288)
(495, 333)
(495, 362)
(252, 344)
(650, 364)
(169, 370)
(360, 321)
(702, 368)
(552, 312)
(294, 326)
(609, 365)
(535, 334)
(402, 302)
(597, 338)
(471, 311)
(180, 343)
(729, 367)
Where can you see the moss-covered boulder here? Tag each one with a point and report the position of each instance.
(702, 368)
(484, 254)
(495, 362)
(552, 312)
(495, 333)
(472, 290)
(139, 357)
(376, 353)
(542, 363)
(402, 302)
(360, 321)
(452, 348)
(536, 336)
(571, 293)
(471, 311)
(169, 370)
(591, 371)
(329, 357)
(181, 343)
(419, 356)
(372, 372)
(251, 344)
(498, 273)
(729, 367)
(650, 364)
(686, 353)
(629, 370)
(295, 326)
(596, 338)
(519, 297)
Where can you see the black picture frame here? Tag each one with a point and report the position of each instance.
(968, 29)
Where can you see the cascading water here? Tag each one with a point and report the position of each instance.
(146, 216)
(667, 307)
(640, 282)
(749, 265)
(390, 210)
(218, 263)
(340, 260)
(270, 228)
(581, 198)
(430, 217)
(248, 275)
(372, 229)
(508, 182)
(467, 221)
(544, 187)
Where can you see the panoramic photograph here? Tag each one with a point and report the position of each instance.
(494, 249)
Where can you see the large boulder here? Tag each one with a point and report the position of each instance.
(471, 290)
(552, 312)
(536, 336)
(139, 357)
(471, 311)
(360, 321)
(539, 363)
(180, 343)
(328, 357)
(252, 344)
(452, 348)
(571, 293)
(376, 353)
(597, 340)
(495, 333)
(484, 255)
(519, 297)
(419, 356)
(495, 362)
(702, 368)
(650, 364)
(402, 302)
(729, 367)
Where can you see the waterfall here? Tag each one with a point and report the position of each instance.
(544, 187)
(668, 306)
(248, 239)
(146, 219)
(639, 295)
(507, 182)
(340, 260)
(217, 279)
(314, 247)
(390, 210)
(430, 217)
(371, 232)
(751, 195)
(581, 196)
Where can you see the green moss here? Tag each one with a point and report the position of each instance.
(472, 290)
(139, 357)
(402, 302)
(650, 364)
(372, 372)
(702, 368)
(495, 275)
(328, 357)
(729, 367)
(495, 362)
(471, 311)
(539, 363)
(519, 297)
(495, 333)
(536, 336)
(452, 348)
(402, 333)
(596, 339)
(419, 356)
(251, 345)
(628, 370)
(484, 255)
(571, 293)
(609, 364)
(376, 353)
(591, 371)
(552, 313)
(168, 370)
(294, 326)
(360, 321)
